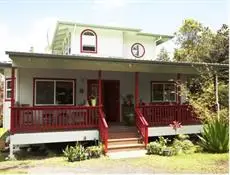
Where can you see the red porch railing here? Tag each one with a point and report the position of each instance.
(103, 129)
(142, 125)
(43, 119)
(163, 115)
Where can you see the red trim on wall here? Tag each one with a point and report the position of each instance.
(81, 48)
(143, 49)
(163, 82)
(71, 79)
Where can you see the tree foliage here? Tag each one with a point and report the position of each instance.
(163, 55)
(197, 43)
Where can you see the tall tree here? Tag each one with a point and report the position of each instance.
(198, 43)
(163, 55)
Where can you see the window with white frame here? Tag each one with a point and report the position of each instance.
(88, 41)
(163, 92)
(54, 92)
(8, 89)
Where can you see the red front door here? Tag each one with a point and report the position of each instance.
(110, 97)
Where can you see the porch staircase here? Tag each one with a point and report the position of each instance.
(124, 138)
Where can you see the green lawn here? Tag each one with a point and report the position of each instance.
(194, 163)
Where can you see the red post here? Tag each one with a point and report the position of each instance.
(12, 99)
(146, 136)
(99, 88)
(136, 89)
(179, 88)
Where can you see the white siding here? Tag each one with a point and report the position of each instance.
(146, 41)
(114, 43)
(109, 42)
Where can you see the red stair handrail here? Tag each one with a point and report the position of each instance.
(142, 125)
(103, 129)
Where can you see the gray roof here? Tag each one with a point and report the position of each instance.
(108, 59)
(5, 64)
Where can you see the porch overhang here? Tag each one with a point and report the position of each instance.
(52, 61)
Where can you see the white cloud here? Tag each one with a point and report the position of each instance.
(36, 37)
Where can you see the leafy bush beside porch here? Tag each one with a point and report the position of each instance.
(78, 152)
(180, 145)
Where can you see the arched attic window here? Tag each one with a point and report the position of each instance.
(88, 41)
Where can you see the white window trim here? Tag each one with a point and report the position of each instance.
(8, 89)
(53, 80)
(163, 83)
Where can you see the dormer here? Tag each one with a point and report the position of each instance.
(105, 41)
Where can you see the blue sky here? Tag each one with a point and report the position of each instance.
(25, 23)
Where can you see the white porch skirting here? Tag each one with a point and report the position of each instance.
(167, 130)
(53, 137)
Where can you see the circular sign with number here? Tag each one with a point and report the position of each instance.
(138, 50)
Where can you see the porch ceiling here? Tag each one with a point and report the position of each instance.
(51, 61)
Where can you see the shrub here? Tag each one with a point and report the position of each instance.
(94, 151)
(215, 136)
(157, 147)
(76, 153)
(154, 148)
(181, 144)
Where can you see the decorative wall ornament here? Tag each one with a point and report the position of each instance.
(137, 50)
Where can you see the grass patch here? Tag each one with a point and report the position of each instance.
(192, 163)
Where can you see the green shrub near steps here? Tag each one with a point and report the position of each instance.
(157, 147)
(78, 152)
(94, 151)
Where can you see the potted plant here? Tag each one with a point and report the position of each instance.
(93, 100)
(129, 119)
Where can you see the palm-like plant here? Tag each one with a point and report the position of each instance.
(215, 136)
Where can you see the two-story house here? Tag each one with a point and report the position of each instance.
(96, 79)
